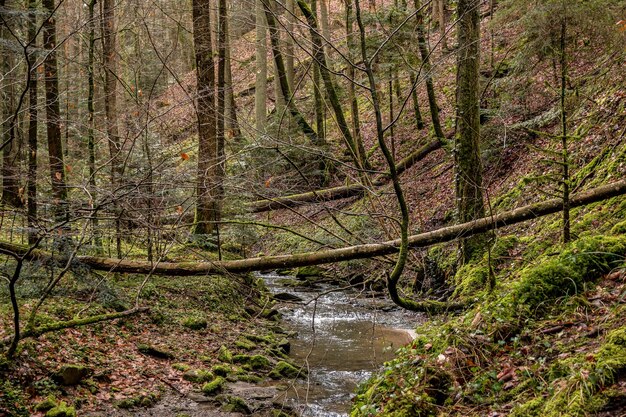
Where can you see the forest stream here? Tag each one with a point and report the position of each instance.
(342, 336)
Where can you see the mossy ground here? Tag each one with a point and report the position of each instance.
(137, 360)
(547, 341)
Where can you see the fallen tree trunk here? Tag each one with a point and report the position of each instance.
(345, 191)
(445, 234)
(60, 325)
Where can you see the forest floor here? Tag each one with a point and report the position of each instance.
(201, 349)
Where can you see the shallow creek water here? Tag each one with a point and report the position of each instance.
(342, 337)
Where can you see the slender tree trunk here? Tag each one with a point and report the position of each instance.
(109, 55)
(318, 98)
(10, 153)
(354, 104)
(419, 122)
(396, 273)
(280, 98)
(428, 72)
(33, 102)
(358, 155)
(442, 22)
(282, 76)
(53, 124)
(206, 206)
(260, 92)
(221, 112)
(289, 51)
(469, 191)
(91, 141)
(232, 122)
(325, 26)
(566, 202)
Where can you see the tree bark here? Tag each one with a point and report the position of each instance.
(445, 234)
(32, 130)
(428, 72)
(91, 141)
(109, 62)
(282, 76)
(207, 211)
(354, 104)
(358, 155)
(317, 88)
(260, 91)
(10, 153)
(469, 193)
(232, 121)
(53, 125)
(289, 52)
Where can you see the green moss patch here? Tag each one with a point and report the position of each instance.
(61, 410)
(214, 386)
(255, 362)
(286, 370)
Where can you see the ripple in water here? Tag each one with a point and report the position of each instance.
(343, 340)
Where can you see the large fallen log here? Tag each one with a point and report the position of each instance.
(345, 191)
(445, 234)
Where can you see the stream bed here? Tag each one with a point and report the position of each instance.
(342, 337)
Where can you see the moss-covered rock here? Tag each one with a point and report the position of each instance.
(255, 362)
(181, 367)
(47, 404)
(233, 404)
(582, 261)
(195, 323)
(286, 370)
(221, 370)
(71, 374)
(250, 378)
(309, 271)
(214, 386)
(225, 355)
(61, 410)
(155, 351)
(245, 344)
(198, 376)
(470, 279)
(284, 345)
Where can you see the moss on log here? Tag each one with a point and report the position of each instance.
(370, 250)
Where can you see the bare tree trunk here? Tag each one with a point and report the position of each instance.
(280, 97)
(260, 92)
(32, 130)
(469, 192)
(325, 26)
(317, 90)
(232, 122)
(419, 122)
(207, 211)
(442, 22)
(354, 104)
(428, 72)
(109, 61)
(221, 113)
(564, 150)
(289, 51)
(279, 64)
(55, 148)
(358, 155)
(10, 153)
(91, 141)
